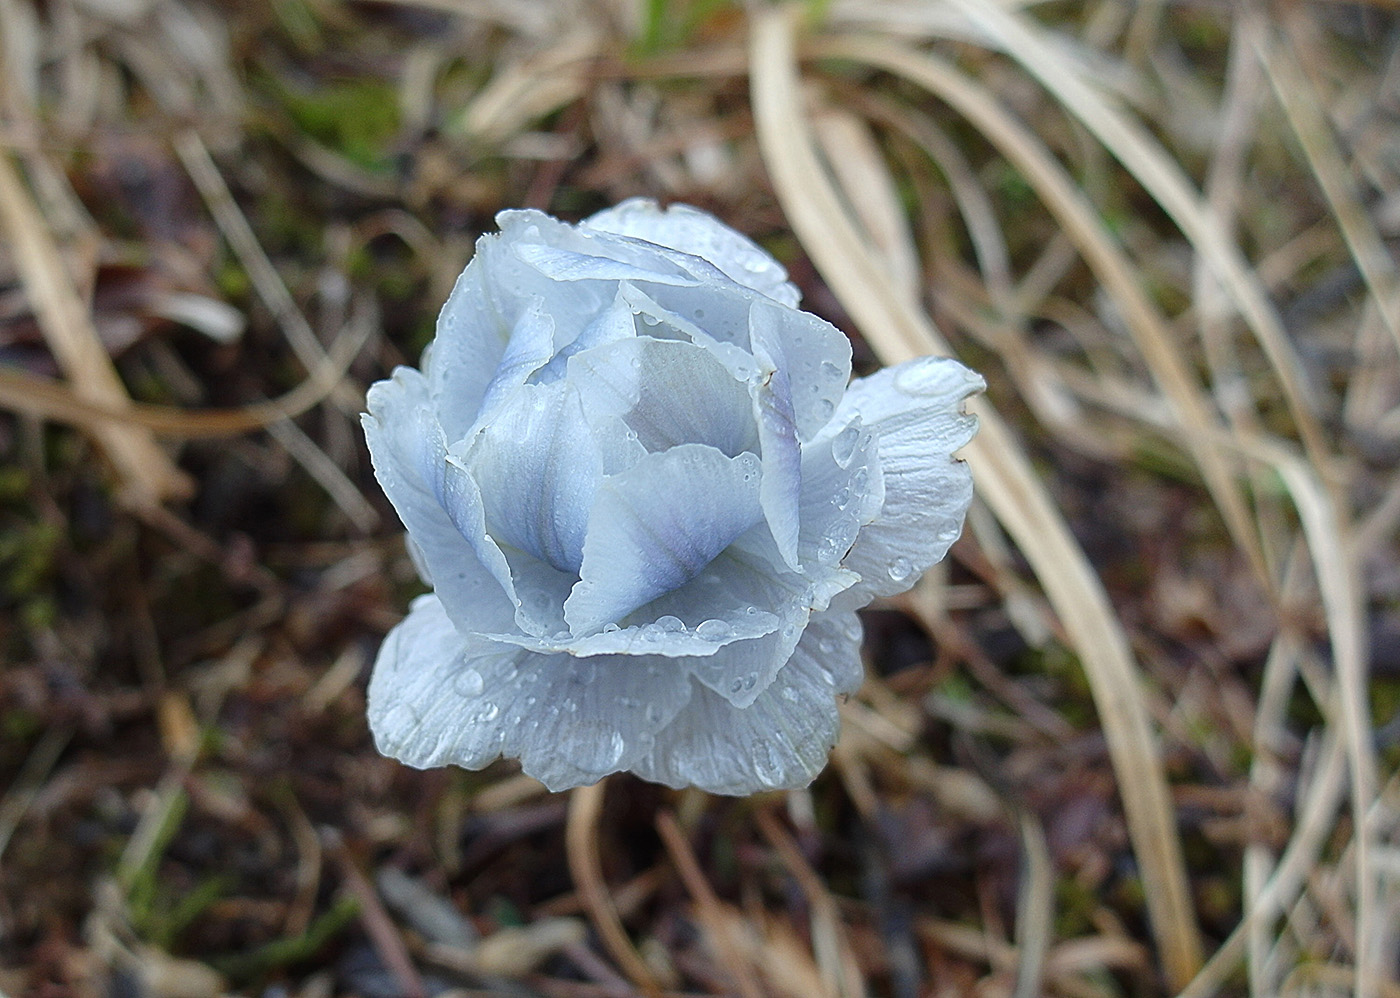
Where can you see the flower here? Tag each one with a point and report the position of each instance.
(648, 503)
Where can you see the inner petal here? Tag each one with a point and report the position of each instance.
(656, 525)
(668, 392)
(538, 467)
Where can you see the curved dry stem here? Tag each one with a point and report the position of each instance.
(581, 844)
(899, 330)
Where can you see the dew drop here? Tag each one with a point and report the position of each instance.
(713, 630)
(900, 569)
(790, 694)
(611, 628)
(825, 408)
(468, 683)
(670, 625)
(583, 671)
(853, 629)
(751, 610)
(842, 498)
(652, 713)
(531, 701)
(488, 712)
(597, 749)
(765, 764)
(736, 686)
(843, 445)
(750, 681)
(859, 480)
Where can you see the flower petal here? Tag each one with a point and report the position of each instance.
(537, 467)
(781, 740)
(701, 235)
(426, 704)
(842, 491)
(668, 392)
(437, 698)
(916, 412)
(656, 525)
(572, 721)
(815, 355)
(409, 460)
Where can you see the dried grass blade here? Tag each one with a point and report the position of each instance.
(899, 330)
(1082, 223)
(586, 866)
(1302, 107)
(719, 930)
(148, 475)
(1160, 175)
(48, 399)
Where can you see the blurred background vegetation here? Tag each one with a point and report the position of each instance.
(1138, 736)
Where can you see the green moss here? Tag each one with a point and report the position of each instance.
(359, 119)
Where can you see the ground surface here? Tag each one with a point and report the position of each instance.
(1165, 232)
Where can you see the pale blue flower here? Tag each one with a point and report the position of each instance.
(648, 503)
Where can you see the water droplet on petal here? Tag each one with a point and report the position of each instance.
(790, 694)
(670, 625)
(860, 480)
(825, 408)
(900, 569)
(843, 445)
(736, 686)
(611, 628)
(713, 630)
(597, 749)
(853, 629)
(583, 671)
(830, 370)
(765, 763)
(468, 683)
(488, 712)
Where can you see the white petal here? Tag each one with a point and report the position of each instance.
(438, 699)
(484, 312)
(782, 457)
(781, 740)
(406, 447)
(655, 526)
(842, 491)
(427, 703)
(530, 348)
(694, 232)
(916, 411)
(814, 353)
(560, 264)
(572, 721)
(537, 467)
(668, 392)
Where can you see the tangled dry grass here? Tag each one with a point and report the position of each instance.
(1139, 736)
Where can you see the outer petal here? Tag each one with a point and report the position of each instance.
(695, 232)
(572, 721)
(405, 444)
(436, 698)
(781, 740)
(916, 411)
(656, 525)
(815, 355)
(426, 703)
(842, 491)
